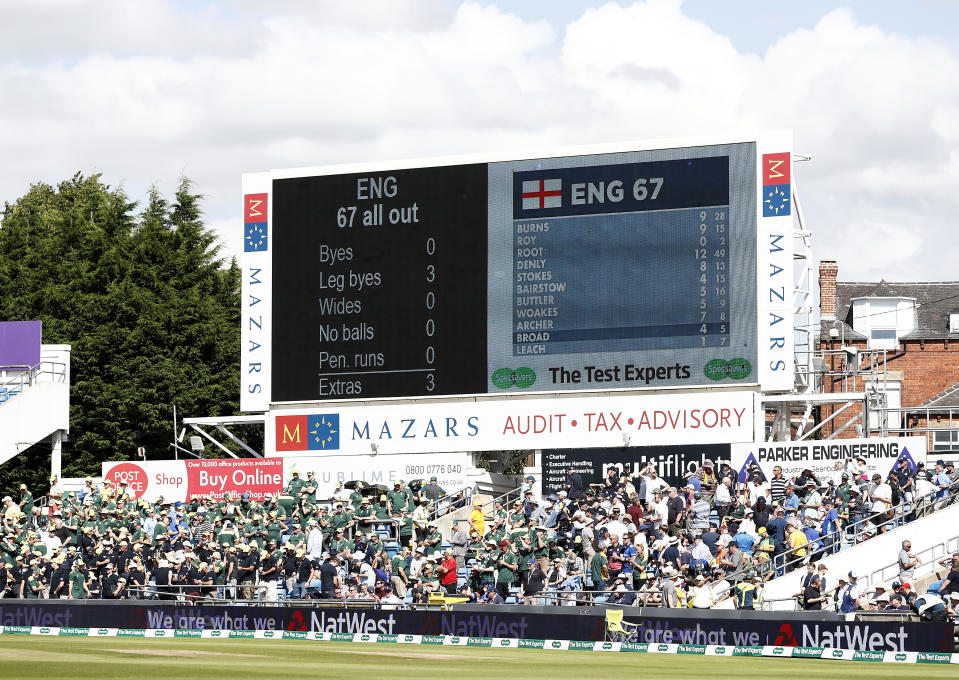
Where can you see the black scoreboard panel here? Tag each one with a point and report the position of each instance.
(379, 284)
(604, 271)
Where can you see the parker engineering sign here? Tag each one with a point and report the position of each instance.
(880, 454)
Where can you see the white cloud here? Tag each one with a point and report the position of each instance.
(146, 91)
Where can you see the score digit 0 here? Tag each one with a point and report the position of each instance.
(430, 328)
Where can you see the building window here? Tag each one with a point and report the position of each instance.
(945, 440)
(883, 338)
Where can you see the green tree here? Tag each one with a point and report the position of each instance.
(151, 310)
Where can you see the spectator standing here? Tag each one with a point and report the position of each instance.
(421, 519)
(507, 564)
(812, 595)
(950, 584)
(448, 572)
(733, 563)
(942, 480)
(653, 483)
(907, 562)
(668, 592)
(477, 521)
(314, 540)
(460, 539)
(746, 593)
(574, 485)
(723, 498)
(26, 501)
(849, 598)
(701, 595)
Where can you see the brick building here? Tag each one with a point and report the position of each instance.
(898, 338)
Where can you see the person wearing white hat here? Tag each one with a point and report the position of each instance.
(669, 593)
(701, 594)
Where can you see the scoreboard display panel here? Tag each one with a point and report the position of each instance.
(618, 269)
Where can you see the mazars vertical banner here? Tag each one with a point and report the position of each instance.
(774, 260)
(256, 301)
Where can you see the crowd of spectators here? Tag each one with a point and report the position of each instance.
(630, 540)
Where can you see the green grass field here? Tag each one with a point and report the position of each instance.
(26, 657)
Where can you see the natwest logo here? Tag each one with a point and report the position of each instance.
(786, 637)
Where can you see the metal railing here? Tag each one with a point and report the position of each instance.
(930, 557)
(15, 378)
(20, 377)
(506, 499)
(449, 502)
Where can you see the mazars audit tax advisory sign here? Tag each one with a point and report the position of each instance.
(181, 480)
(547, 423)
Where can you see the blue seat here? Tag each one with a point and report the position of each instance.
(934, 587)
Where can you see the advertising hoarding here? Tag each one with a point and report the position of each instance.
(450, 469)
(495, 425)
(672, 463)
(182, 480)
(881, 454)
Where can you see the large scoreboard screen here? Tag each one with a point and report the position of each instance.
(623, 269)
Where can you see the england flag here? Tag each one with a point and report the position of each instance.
(542, 193)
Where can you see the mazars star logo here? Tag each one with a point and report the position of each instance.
(324, 432)
(255, 239)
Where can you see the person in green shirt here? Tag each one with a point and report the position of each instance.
(308, 492)
(599, 570)
(30, 588)
(77, 581)
(433, 540)
(274, 528)
(70, 520)
(517, 516)
(342, 519)
(485, 566)
(8, 549)
(500, 514)
(541, 544)
(227, 535)
(382, 509)
(506, 564)
(26, 501)
(397, 498)
(356, 497)
(400, 578)
(340, 545)
(406, 527)
(295, 486)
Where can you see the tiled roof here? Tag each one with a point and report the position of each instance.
(934, 301)
(948, 398)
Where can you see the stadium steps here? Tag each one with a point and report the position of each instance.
(933, 537)
(41, 407)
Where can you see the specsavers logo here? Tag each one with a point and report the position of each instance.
(505, 378)
(734, 369)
